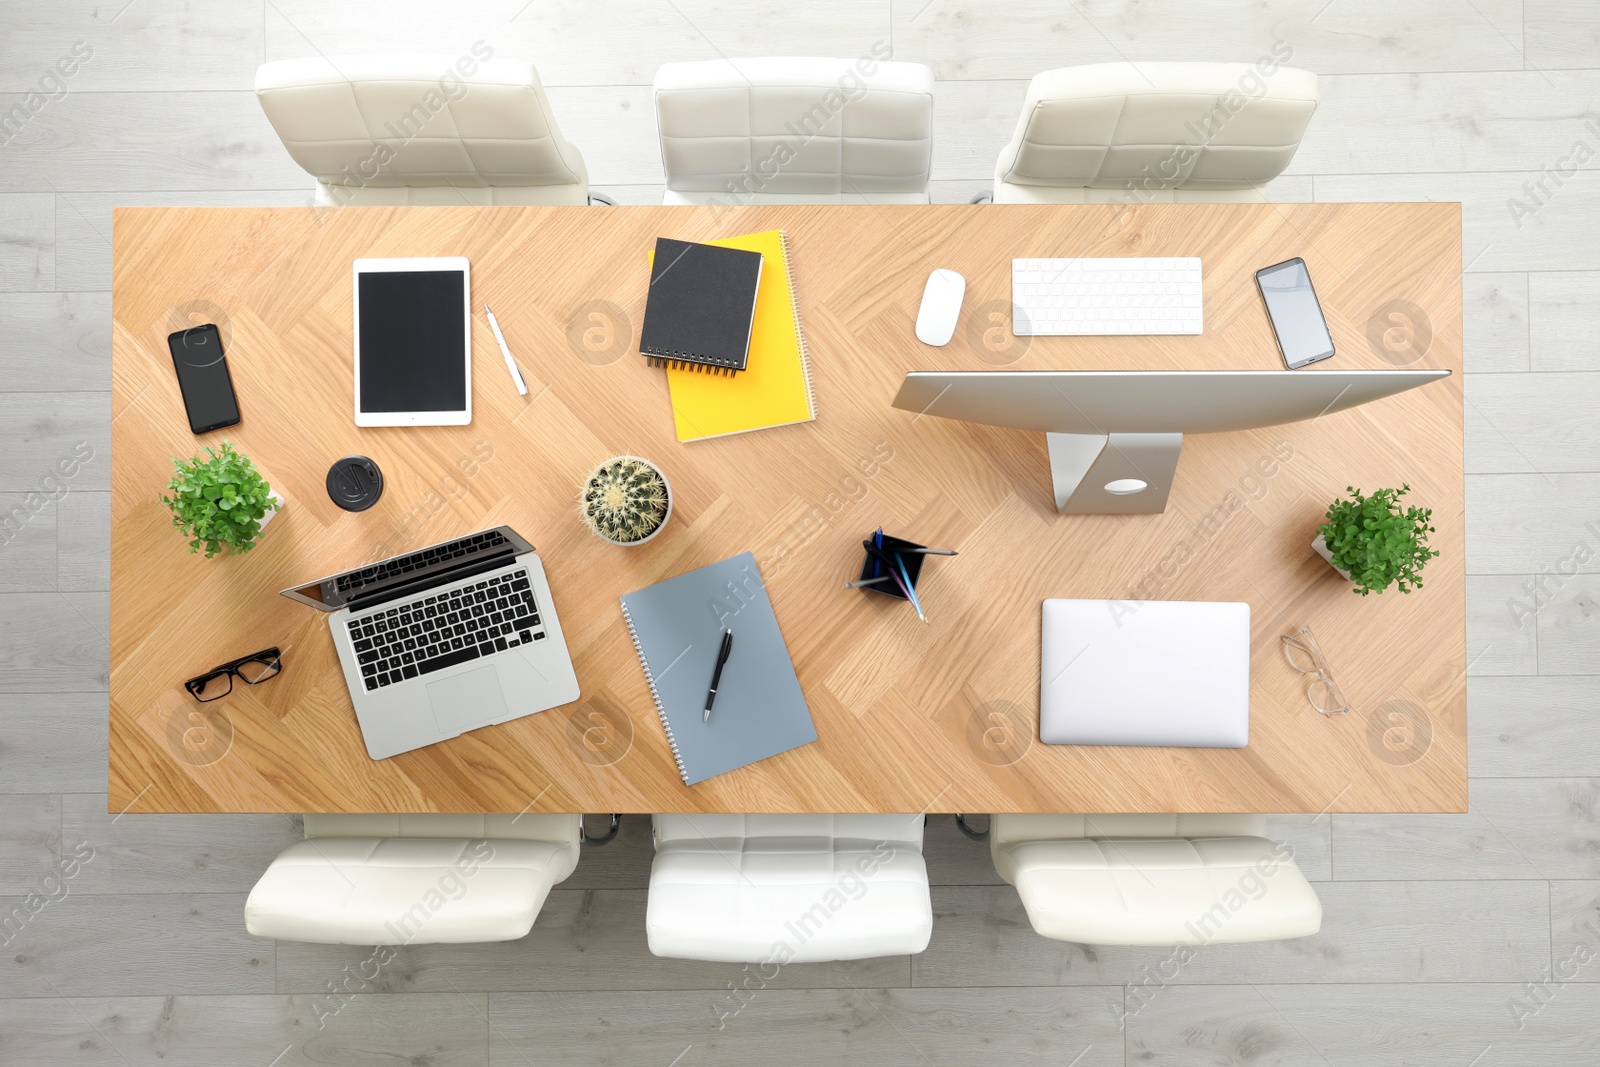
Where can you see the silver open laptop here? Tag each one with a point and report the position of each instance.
(446, 639)
(1145, 672)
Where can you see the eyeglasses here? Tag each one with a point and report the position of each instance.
(1305, 656)
(252, 670)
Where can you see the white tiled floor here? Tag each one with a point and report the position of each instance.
(1435, 923)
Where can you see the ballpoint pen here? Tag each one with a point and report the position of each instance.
(716, 675)
(511, 364)
(866, 581)
(929, 551)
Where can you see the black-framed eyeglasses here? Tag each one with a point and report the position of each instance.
(252, 670)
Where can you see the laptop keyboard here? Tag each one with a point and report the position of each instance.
(431, 633)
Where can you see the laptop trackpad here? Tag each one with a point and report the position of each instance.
(467, 700)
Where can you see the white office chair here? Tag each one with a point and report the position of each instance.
(421, 129)
(1153, 879)
(782, 888)
(795, 131)
(413, 879)
(1154, 133)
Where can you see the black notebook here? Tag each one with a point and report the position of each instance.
(701, 306)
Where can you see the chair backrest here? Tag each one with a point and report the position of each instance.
(373, 129)
(802, 129)
(1159, 126)
(1007, 830)
(806, 832)
(554, 829)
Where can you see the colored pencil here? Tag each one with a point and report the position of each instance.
(911, 592)
(887, 556)
(884, 558)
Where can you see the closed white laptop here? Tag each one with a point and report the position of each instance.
(1145, 672)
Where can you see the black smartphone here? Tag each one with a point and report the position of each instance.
(203, 378)
(1297, 322)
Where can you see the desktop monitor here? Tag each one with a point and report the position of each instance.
(1114, 436)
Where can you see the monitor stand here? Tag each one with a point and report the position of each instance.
(1113, 474)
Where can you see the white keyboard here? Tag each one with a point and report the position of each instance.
(1105, 296)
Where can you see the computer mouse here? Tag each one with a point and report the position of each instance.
(941, 307)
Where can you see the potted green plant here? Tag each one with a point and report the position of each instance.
(625, 500)
(1374, 542)
(220, 500)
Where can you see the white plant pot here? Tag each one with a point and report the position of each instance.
(277, 506)
(664, 518)
(1320, 547)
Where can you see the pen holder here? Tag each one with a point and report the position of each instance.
(912, 561)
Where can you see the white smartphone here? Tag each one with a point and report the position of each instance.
(1297, 322)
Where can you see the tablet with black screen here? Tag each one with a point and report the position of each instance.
(413, 342)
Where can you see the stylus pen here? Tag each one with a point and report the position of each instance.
(716, 675)
(929, 551)
(511, 364)
(866, 581)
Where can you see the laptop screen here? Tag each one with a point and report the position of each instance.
(402, 574)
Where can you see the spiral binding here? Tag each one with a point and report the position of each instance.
(679, 364)
(655, 695)
(794, 298)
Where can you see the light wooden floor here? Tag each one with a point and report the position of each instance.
(1435, 924)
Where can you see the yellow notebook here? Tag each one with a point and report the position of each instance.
(775, 388)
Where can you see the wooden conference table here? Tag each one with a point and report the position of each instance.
(910, 717)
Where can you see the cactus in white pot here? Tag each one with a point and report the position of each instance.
(625, 500)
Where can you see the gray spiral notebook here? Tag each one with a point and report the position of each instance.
(677, 628)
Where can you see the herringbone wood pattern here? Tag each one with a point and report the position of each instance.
(907, 714)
